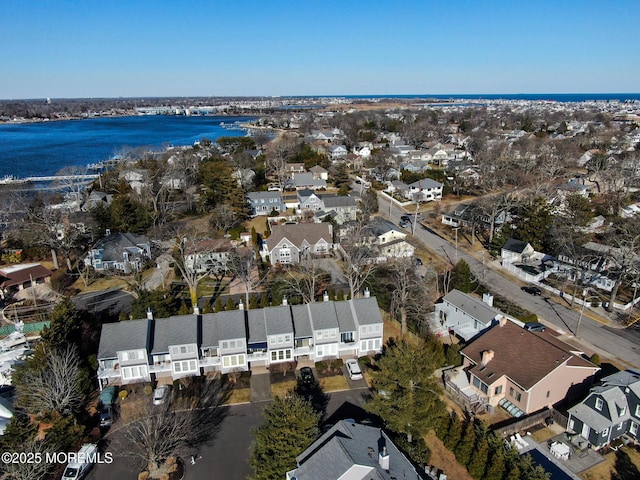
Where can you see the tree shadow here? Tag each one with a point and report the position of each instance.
(625, 468)
(313, 392)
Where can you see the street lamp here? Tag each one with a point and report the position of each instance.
(456, 230)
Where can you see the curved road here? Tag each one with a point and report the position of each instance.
(620, 345)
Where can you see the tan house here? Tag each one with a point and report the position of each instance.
(524, 371)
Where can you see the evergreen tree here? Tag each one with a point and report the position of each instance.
(533, 222)
(454, 432)
(465, 446)
(461, 277)
(479, 457)
(411, 404)
(231, 305)
(290, 425)
(495, 467)
(218, 305)
(65, 326)
(264, 301)
(253, 302)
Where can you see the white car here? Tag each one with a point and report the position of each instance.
(160, 394)
(355, 373)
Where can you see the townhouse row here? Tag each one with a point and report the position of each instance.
(190, 345)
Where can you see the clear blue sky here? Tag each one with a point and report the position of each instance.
(111, 48)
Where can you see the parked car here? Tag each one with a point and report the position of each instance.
(306, 376)
(353, 369)
(160, 394)
(532, 290)
(535, 327)
(82, 463)
(417, 261)
(405, 218)
(403, 224)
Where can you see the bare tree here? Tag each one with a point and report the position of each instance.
(277, 157)
(306, 279)
(158, 433)
(243, 265)
(31, 470)
(195, 256)
(358, 260)
(52, 384)
(625, 240)
(223, 217)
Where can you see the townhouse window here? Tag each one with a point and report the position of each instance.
(620, 425)
(346, 337)
(633, 428)
(623, 410)
(497, 390)
(637, 412)
(599, 403)
(605, 432)
(233, 360)
(185, 366)
(548, 393)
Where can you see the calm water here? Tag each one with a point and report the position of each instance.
(45, 148)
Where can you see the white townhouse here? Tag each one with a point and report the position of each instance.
(167, 349)
(464, 315)
(428, 189)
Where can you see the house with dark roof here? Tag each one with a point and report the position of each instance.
(21, 276)
(465, 315)
(524, 371)
(350, 450)
(425, 190)
(516, 251)
(289, 243)
(610, 411)
(167, 349)
(388, 239)
(125, 252)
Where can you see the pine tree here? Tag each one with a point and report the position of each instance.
(479, 457)
(465, 446)
(217, 307)
(290, 425)
(231, 305)
(461, 277)
(495, 466)
(412, 404)
(253, 302)
(264, 301)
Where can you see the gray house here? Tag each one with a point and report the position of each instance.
(289, 243)
(610, 411)
(350, 450)
(125, 252)
(343, 208)
(464, 315)
(167, 349)
(263, 203)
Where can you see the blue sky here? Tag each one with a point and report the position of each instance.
(114, 48)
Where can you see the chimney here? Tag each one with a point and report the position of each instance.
(149, 314)
(487, 356)
(284, 301)
(325, 297)
(502, 321)
(196, 310)
(367, 294)
(488, 299)
(240, 305)
(383, 458)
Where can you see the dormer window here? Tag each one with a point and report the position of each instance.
(623, 410)
(599, 403)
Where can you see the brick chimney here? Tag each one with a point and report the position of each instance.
(487, 356)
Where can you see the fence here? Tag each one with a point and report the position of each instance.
(28, 328)
(509, 427)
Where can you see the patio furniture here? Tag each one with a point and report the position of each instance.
(560, 450)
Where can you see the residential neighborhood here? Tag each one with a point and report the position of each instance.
(464, 275)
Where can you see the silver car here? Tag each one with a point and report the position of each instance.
(355, 373)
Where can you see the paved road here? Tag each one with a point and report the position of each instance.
(620, 345)
(227, 456)
(104, 300)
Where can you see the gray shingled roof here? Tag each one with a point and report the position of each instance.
(210, 330)
(298, 233)
(178, 330)
(472, 306)
(614, 400)
(278, 320)
(323, 315)
(231, 324)
(301, 321)
(120, 336)
(257, 327)
(345, 316)
(367, 311)
(350, 444)
(336, 201)
(114, 245)
(425, 183)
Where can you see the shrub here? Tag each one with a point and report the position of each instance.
(595, 359)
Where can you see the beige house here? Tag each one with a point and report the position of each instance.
(523, 371)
